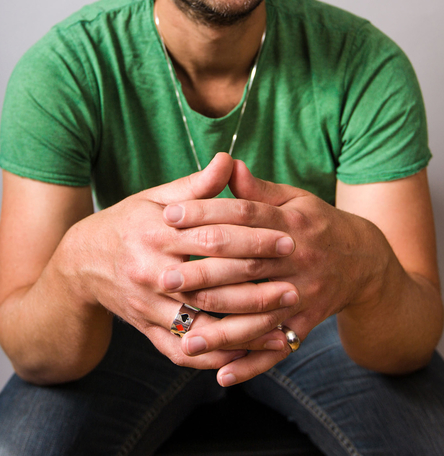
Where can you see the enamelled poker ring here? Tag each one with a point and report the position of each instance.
(293, 340)
(183, 320)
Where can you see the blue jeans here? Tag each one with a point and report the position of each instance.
(134, 399)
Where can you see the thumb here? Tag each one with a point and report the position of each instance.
(207, 183)
(244, 185)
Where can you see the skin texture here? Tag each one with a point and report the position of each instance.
(65, 271)
(64, 288)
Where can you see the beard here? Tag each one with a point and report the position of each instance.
(218, 13)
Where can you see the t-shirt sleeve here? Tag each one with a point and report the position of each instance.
(383, 124)
(49, 128)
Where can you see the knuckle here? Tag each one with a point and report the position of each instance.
(314, 290)
(270, 320)
(254, 268)
(256, 370)
(134, 270)
(215, 363)
(310, 257)
(247, 210)
(212, 239)
(135, 308)
(190, 184)
(205, 300)
(258, 243)
(261, 303)
(153, 238)
(203, 276)
(223, 337)
(298, 220)
(201, 212)
(178, 360)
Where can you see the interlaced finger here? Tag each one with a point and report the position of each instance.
(247, 367)
(214, 272)
(247, 297)
(231, 241)
(224, 211)
(234, 331)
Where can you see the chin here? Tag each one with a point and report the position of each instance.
(218, 12)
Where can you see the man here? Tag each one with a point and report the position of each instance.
(135, 95)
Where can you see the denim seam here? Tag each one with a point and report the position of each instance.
(154, 411)
(314, 409)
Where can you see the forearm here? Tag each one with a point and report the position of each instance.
(49, 334)
(66, 266)
(397, 325)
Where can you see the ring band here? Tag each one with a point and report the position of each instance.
(183, 320)
(293, 340)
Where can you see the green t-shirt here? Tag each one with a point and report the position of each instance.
(93, 102)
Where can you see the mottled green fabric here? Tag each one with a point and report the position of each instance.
(93, 102)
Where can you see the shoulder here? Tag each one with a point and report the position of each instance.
(94, 25)
(325, 29)
(317, 15)
(335, 46)
(104, 9)
(91, 38)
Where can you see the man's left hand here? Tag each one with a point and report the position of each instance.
(329, 266)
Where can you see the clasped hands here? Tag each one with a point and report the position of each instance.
(302, 245)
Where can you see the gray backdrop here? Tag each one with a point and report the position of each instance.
(415, 26)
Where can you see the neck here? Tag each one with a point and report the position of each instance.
(201, 51)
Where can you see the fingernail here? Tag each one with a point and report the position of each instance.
(274, 345)
(172, 280)
(195, 345)
(284, 246)
(288, 299)
(174, 213)
(228, 380)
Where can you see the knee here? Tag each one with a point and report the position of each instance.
(35, 421)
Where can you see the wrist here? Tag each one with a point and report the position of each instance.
(72, 268)
(376, 263)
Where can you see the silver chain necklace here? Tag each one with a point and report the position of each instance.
(179, 102)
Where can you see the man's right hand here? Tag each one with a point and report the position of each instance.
(111, 263)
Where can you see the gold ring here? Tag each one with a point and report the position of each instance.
(293, 340)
